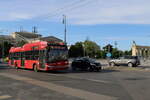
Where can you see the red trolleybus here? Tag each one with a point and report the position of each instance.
(40, 56)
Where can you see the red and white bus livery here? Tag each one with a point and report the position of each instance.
(40, 56)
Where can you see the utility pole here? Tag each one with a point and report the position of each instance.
(21, 29)
(34, 29)
(65, 30)
(116, 44)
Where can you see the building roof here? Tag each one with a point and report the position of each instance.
(138, 46)
(51, 38)
(6, 38)
(28, 35)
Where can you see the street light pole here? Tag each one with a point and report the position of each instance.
(2, 46)
(83, 49)
(3, 50)
(65, 31)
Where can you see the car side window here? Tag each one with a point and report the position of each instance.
(79, 60)
(121, 57)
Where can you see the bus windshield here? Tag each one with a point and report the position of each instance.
(55, 54)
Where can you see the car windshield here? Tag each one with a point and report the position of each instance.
(89, 59)
(92, 60)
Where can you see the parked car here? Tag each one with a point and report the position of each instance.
(131, 61)
(86, 64)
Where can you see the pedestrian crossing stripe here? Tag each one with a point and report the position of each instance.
(5, 97)
(82, 94)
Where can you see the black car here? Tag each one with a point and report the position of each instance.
(86, 64)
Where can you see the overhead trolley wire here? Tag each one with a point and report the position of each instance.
(69, 7)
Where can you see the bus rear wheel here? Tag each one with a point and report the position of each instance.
(35, 68)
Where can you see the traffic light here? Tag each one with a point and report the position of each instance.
(108, 48)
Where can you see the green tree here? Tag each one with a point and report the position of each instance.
(116, 53)
(76, 50)
(102, 54)
(4, 48)
(86, 48)
(128, 52)
(91, 49)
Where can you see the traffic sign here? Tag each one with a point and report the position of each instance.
(108, 54)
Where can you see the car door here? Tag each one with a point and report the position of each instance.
(125, 60)
(120, 61)
(78, 63)
(86, 64)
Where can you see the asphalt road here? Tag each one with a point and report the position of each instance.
(109, 84)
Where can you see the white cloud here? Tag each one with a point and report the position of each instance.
(113, 12)
(20, 16)
(115, 38)
(12, 10)
(86, 12)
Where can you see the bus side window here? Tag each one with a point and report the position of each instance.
(34, 55)
(26, 55)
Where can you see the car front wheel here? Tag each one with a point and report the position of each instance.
(91, 69)
(112, 64)
(98, 69)
(130, 64)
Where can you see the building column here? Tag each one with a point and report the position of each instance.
(148, 53)
(142, 53)
(140, 50)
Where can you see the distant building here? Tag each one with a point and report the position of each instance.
(141, 51)
(6, 38)
(28, 37)
(51, 38)
(25, 36)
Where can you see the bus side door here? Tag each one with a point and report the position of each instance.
(42, 58)
(22, 59)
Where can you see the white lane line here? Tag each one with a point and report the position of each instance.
(61, 89)
(5, 97)
(76, 77)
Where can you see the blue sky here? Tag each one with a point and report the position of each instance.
(102, 21)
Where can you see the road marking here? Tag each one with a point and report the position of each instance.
(61, 89)
(76, 77)
(99, 81)
(4, 97)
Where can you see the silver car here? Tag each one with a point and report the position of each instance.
(131, 61)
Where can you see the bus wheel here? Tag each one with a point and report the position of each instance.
(16, 66)
(35, 68)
